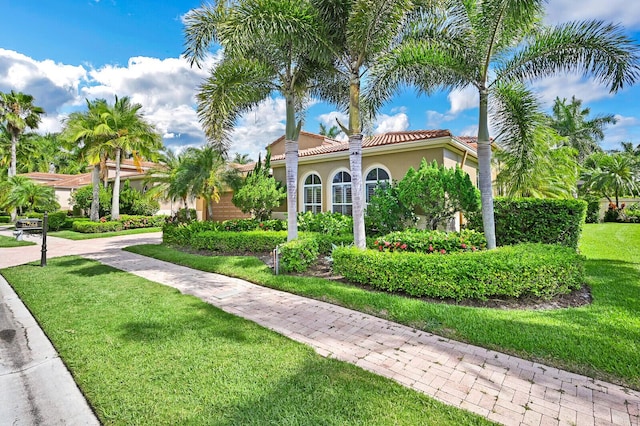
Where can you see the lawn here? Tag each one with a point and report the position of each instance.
(601, 340)
(143, 353)
(73, 235)
(8, 242)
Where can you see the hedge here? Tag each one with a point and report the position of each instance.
(5, 219)
(533, 220)
(536, 270)
(298, 255)
(426, 241)
(237, 242)
(96, 227)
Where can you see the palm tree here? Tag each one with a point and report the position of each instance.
(583, 134)
(241, 158)
(127, 132)
(360, 32)
(270, 47)
(491, 42)
(331, 132)
(613, 175)
(25, 193)
(18, 113)
(203, 174)
(166, 180)
(87, 130)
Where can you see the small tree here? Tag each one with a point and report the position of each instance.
(386, 213)
(82, 198)
(258, 196)
(438, 192)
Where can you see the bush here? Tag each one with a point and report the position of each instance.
(5, 219)
(68, 223)
(386, 213)
(533, 220)
(237, 242)
(298, 255)
(134, 221)
(56, 220)
(325, 223)
(88, 227)
(431, 241)
(593, 210)
(524, 270)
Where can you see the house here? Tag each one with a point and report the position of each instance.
(324, 180)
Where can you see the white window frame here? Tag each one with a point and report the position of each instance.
(367, 182)
(303, 193)
(345, 208)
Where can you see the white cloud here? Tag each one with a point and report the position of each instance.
(618, 11)
(391, 123)
(568, 85)
(435, 119)
(329, 119)
(625, 130)
(464, 99)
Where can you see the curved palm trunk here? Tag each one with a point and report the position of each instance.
(291, 165)
(355, 162)
(484, 166)
(115, 200)
(95, 202)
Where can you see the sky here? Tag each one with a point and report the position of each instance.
(66, 51)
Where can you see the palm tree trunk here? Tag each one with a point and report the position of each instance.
(291, 165)
(355, 162)
(95, 202)
(115, 199)
(484, 166)
(210, 209)
(13, 167)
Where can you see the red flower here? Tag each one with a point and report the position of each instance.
(375, 243)
(380, 248)
(387, 243)
(463, 245)
(403, 247)
(430, 247)
(443, 251)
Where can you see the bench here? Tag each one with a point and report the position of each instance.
(27, 226)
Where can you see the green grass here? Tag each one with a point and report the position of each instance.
(73, 235)
(143, 353)
(7, 242)
(601, 340)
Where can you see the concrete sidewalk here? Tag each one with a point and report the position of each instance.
(503, 388)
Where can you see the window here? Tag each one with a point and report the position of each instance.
(341, 193)
(312, 193)
(374, 178)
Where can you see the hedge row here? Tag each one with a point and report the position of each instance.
(84, 225)
(5, 219)
(523, 270)
(298, 255)
(237, 242)
(532, 220)
(431, 241)
(88, 227)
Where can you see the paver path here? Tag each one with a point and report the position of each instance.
(503, 388)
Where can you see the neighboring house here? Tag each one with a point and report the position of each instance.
(324, 179)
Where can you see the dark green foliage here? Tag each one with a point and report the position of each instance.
(438, 192)
(386, 213)
(82, 197)
(298, 255)
(533, 220)
(5, 219)
(260, 193)
(55, 220)
(237, 242)
(139, 221)
(524, 270)
(414, 240)
(253, 224)
(186, 215)
(96, 227)
(593, 210)
(326, 223)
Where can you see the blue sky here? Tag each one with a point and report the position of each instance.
(65, 51)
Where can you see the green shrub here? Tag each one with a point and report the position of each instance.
(298, 255)
(253, 224)
(593, 210)
(135, 221)
(178, 234)
(237, 242)
(523, 270)
(431, 241)
(533, 220)
(5, 219)
(385, 212)
(325, 223)
(88, 227)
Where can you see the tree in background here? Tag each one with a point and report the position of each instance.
(18, 113)
(438, 192)
(491, 43)
(331, 132)
(612, 176)
(386, 213)
(259, 194)
(27, 195)
(82, 198)
(582, 133)
(241, 158)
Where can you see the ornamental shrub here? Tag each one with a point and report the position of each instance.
(385, 212)
(88, 227)
(5, 219)
(237, 242)
(137, 221)
(414, 240)
(537, 270)
(326, 223)
(298, 255)
(534, 220)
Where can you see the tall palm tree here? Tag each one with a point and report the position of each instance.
(270, 47)
(166, 181)
(18, 113)
(613, 175)
(486, 43)
(127, 132)
(241, 158)
(87, 130)
(360, 32)
(583, 133)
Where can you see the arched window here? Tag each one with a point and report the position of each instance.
(312, 193)
(374, 178)
(341, 193)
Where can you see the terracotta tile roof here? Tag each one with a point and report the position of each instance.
(72, 181)
(244, 168)
(42, 176)
(372, 141)
(324, 140)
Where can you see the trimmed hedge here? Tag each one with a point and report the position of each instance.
(96, 227)
(5, 219)
(536, 270)
(298, 255)
(137, 221)
(533, 220)
(425, 241)
(237, 242)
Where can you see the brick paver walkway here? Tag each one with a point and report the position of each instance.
(503, 388)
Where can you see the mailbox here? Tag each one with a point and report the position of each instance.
(29, 225)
